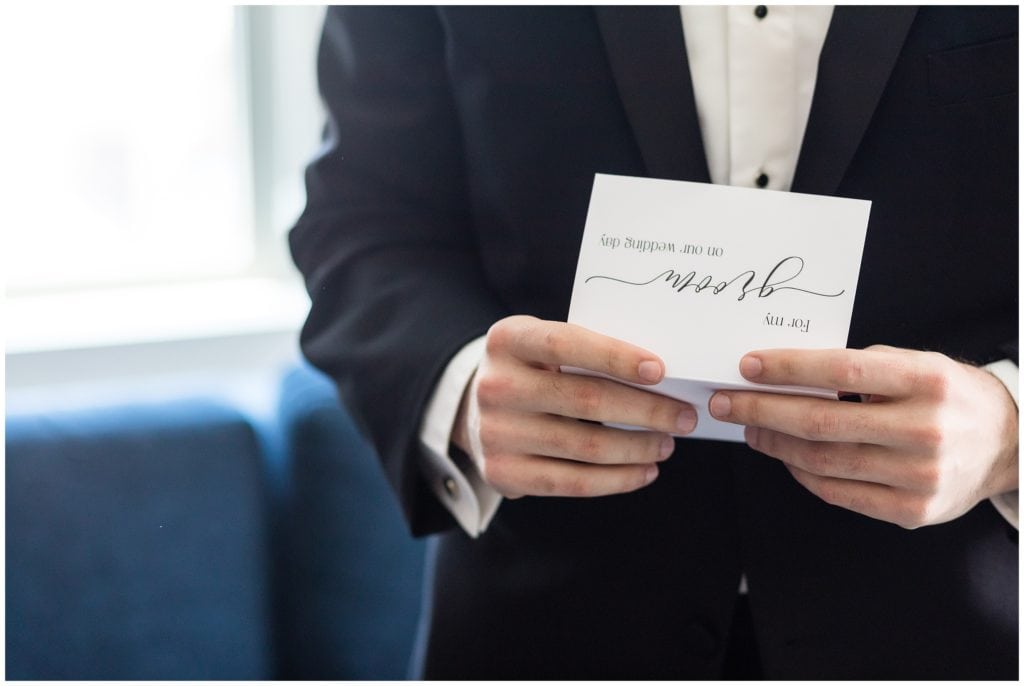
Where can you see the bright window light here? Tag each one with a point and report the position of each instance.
(130, 148)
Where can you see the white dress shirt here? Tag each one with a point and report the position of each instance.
(753, 72)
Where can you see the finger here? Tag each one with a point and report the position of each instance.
(890, 348)
(571, 439)
(876, 371)
(556, 344)
(856, 461)
(873, 500)
(813, 419)
(599, 400)
(518, 475)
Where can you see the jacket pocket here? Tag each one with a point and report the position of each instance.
(976, 71)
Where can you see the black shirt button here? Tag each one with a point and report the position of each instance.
(761, 181)
(760, 11)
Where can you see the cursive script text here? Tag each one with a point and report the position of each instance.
(784, 272)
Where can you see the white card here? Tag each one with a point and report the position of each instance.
(702, 274)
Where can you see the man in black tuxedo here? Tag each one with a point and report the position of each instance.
(448, 205)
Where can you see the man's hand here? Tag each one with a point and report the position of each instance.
(519, 418)
(932, 438)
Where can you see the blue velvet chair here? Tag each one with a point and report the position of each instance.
(189, 538)
(137, 545)
(351, 573)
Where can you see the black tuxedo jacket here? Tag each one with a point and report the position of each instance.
(452, 191)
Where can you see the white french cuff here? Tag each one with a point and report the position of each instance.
(1007, 503)
(459, 487)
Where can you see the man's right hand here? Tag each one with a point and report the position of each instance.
(519, 418)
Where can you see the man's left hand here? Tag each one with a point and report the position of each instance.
(931, 439)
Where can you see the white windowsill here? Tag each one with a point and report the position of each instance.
(150, 336)
(147, 314)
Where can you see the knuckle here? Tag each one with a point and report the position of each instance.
(785, 366)
(848, 372)
(586, 398)
(614, 361)
(542, 483)
(656, 413)
(579, 486)
(591, 446)
(500, 335)
(829, 459)
(820, 423)
(493, 389)
(556, 441)
(939, 384)
(746, 407)
(930, 435)
(619, 359)
(749, 406)
(934, 378)
(653, 450)
(857, 464)
(928, 477)
(490, 435)
(817, 459)
(934, 382)
(557, 344)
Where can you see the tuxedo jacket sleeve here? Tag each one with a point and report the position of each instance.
(386, 243)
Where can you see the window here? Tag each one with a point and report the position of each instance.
(156, 145)
(157, 155)
(131, 146)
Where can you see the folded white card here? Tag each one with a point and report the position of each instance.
(701, 274)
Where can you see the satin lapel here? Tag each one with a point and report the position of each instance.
(858, 56)
(648, 59)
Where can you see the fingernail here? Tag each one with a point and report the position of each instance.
(687, 420)
(649, 370)
(750, 366)
(651, 474)
(720, 405)
(668, 445)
